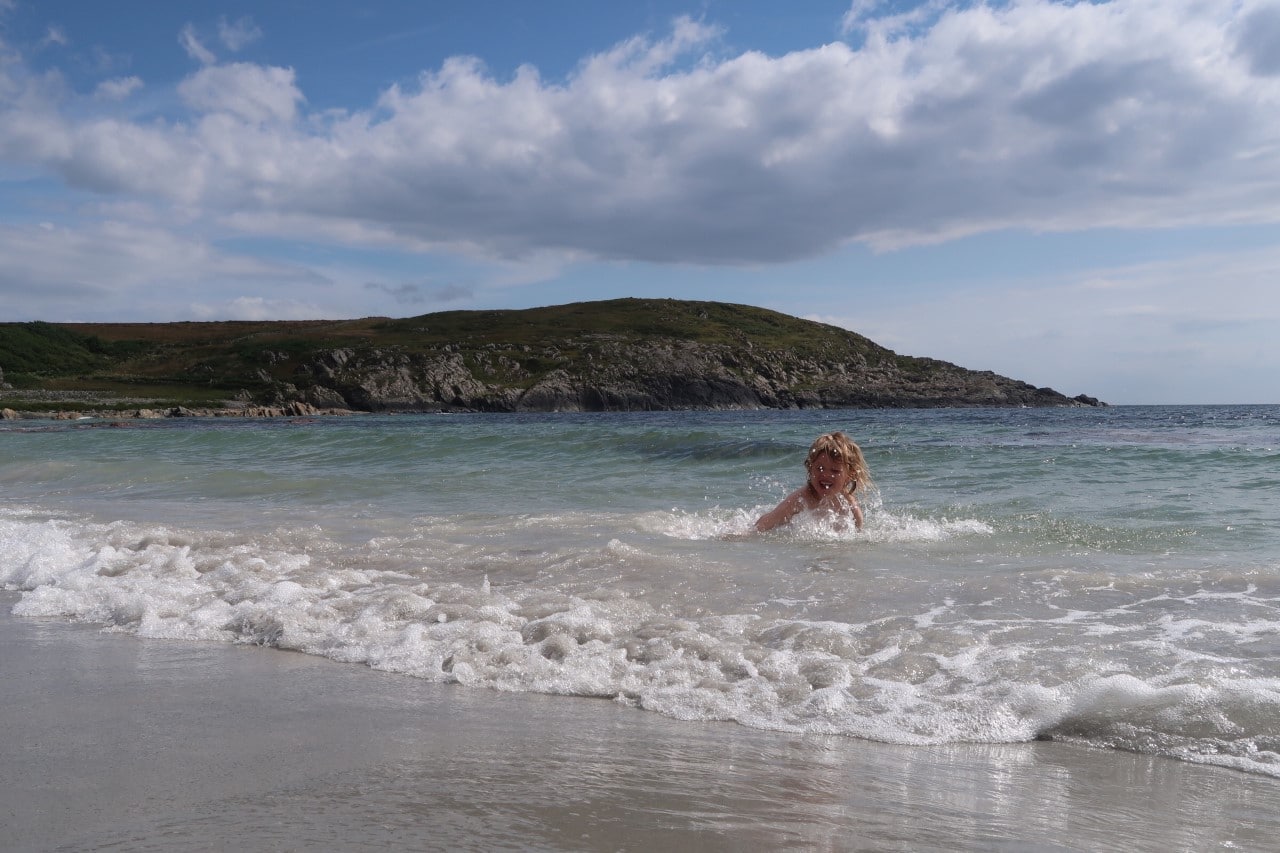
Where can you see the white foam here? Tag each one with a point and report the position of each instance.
(715, 523)
(881, 526)
(935, 676)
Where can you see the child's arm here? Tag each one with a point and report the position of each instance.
(783, 512)
(846, 505)
(857, 513)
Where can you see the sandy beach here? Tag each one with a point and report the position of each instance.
(113, 743)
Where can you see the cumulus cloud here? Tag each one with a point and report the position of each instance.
(950, 120)
(253, 93)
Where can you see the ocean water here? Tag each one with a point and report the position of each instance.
(1108, 577)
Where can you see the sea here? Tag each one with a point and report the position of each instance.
(1107, 577)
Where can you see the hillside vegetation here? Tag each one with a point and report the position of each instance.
(622, 354)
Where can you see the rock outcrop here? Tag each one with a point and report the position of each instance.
(649, 375)
(614, 355)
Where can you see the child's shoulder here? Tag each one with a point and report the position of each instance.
(804, 498)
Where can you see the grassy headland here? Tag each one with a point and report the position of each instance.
(614, 354)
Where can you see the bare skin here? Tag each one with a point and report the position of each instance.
(829, 488)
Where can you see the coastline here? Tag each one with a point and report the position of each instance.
(596, 356)
(288, 410)
(118, 743)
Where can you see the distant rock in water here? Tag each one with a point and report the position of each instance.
(615, 355)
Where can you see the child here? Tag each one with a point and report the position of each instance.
(836, 468)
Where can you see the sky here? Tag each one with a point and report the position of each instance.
(1081, 195)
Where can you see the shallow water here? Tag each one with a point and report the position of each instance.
(1109, 577)
(188, 745)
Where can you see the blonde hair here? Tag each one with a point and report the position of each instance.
(841, 448)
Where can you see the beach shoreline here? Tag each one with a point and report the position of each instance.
(116, 743)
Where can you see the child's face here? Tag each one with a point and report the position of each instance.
(828, 475)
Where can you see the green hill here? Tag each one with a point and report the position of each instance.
(627, 354)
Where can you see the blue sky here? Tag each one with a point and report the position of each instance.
(1084, 195)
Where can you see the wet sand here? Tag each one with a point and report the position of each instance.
(111, 743)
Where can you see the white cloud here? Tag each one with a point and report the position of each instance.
(256, 308)
(953, 120)
(194, 47)
(55, 35)
(236, 35)
(1036, 114)
(118, 88)
(254, 93)
(120, 158)
(878, 20)
(88, 273)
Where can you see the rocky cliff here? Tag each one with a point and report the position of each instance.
(582, 369)
(618, 355)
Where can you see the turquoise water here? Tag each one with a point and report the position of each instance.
(1106, 576)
